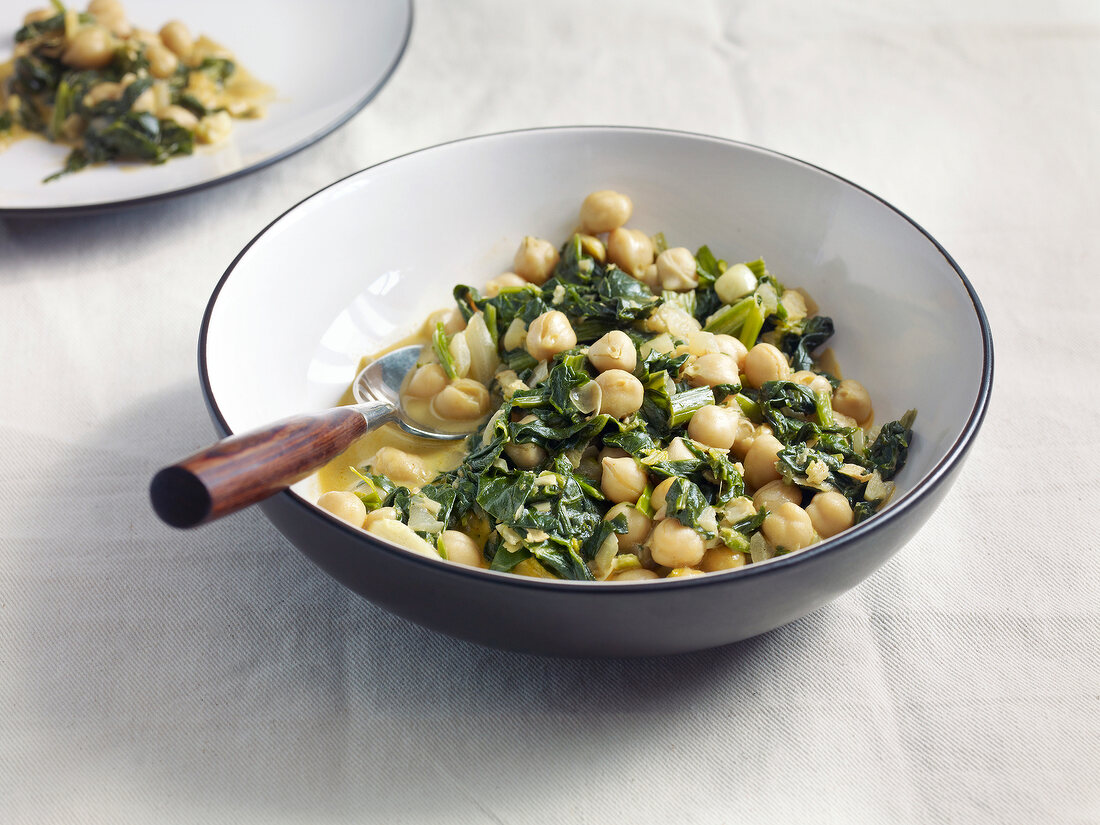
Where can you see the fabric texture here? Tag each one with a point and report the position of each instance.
(149, 675)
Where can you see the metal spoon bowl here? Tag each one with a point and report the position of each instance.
(244, 469)
(380, 381)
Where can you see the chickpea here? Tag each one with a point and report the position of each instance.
(721, 558)
(636, 575)
(427, 382)
(535, 260)
(89, 48)
(381, 514)
(612, 452)
(507, 280)
(676, 269)
(589, 465)
(145, 37)
(843, 420)
(760, 461)
(461, 549)
(145, 102)
(214, 127)
(658, 498)
(162, 61)
(714, 426)
(678, 450)
(177, 37)
(110, 13)
(451, 319)
(684, 573)
(774, 493)
(674, 545)
(631, 250)
(103, 91)
(528, 455)
(399, 465)
(550, 334)
(614, 351)
(788, 526)
(622, 480)
(830, 513)
(732, 347)
(453, 322)
(106, 8)
(766, 363)
(817, 383)
(746, 434)
(852, 399)
(605, 211)
(622, 393)
(735, 283)
(462, 400)
(712, 369)
(346, 506)
(638, 525)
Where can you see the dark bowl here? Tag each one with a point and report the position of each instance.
(362, 262)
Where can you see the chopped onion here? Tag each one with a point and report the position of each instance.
(587, 397)
(483, 352)
(603, 562)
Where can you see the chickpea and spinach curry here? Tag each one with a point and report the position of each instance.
(112, 91)
(636, 412)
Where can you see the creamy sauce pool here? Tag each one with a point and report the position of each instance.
(437, 456)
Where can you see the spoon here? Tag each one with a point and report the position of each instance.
(245, 469)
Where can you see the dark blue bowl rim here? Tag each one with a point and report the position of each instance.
(856, 535)
(304, 143)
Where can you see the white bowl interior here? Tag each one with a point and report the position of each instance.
(362, 263)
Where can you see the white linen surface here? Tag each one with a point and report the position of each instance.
(149, 675)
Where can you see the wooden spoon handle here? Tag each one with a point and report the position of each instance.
(244, 469)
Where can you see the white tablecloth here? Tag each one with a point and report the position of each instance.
(150, 676)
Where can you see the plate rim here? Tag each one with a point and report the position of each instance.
(941, 471)
(293, 149)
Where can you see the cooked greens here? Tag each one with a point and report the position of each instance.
(112, 92)
(539, 476)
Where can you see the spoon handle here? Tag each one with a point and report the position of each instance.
(245, 469)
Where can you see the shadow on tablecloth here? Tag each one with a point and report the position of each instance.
(220, 668)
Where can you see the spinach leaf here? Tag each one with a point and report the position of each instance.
(38, 28)
(685, 502)
(503, 497)
(805, 337)
(218, 69)
(890, 448)
(781, 402)
(707, 267)
(523, 302)
(136, 136)
(505, 560)
(373, 489)
(562, 559)
(37, 75)
(74, 162)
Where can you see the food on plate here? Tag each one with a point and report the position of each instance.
(112, 91)
(637, 411)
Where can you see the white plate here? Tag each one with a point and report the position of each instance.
(326, 59)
